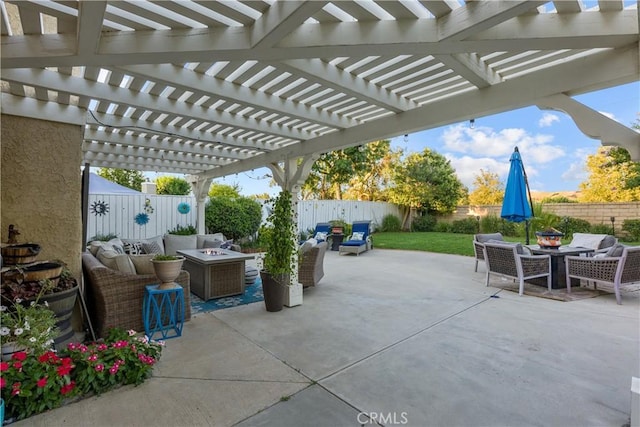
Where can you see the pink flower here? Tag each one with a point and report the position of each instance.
(99, 367)
(72, 346)
(114, 369)
(42, 382)
(83, 348)
(131, 332)
(92, 358)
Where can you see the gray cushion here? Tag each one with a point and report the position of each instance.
(211, 243)
(484, 238)
(608, 242)
(616, 250)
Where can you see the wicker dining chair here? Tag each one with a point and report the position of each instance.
(615, 271)
(509, 260)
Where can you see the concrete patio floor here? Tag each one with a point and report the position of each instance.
(395, 338)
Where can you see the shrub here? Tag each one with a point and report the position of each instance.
(186, 230)
(558, 199)
(465, 226)
(513, 229)
(490, 224)
(235, 217)
(570, 225)
(601, 229)
(391, 222)
(442, 227)
(103, 237)
(632, 226)
(423, 223)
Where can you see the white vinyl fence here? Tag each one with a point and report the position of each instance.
(311, 212)
(125, 214)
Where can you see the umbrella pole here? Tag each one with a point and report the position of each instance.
(526, 228)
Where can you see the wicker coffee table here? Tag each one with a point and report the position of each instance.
(215, 273)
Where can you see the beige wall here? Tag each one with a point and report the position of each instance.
(595, 213)
(40, 186)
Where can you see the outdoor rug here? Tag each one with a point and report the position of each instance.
(577, 293)
(252, 293)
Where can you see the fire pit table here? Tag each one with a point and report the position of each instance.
(558, 269)
(215, 273)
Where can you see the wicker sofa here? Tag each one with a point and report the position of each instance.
(311, 266)
(114, 298)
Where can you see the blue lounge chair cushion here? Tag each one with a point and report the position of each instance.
(353, 243)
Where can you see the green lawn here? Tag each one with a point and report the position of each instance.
(445, 243)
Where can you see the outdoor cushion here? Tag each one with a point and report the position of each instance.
(587, 240)
(133, 248)
(227, 244)
(174, 242)
(114, 244)
(200, 238)
(305, 246)
(615, 250)
(158, 248)
(142, 263)
(152, 248)
(211, 244)
(607, 242)
(484, 238)
(115, 261)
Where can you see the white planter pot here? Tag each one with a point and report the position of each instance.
(293, 295)
(167, 271)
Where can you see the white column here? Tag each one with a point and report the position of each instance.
(200, 187)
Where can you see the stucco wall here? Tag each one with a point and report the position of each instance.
(40, 186)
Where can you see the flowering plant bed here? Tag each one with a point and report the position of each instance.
(32, 383)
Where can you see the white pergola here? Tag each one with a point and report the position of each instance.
(212, 88)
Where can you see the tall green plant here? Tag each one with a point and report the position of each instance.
(281, 243)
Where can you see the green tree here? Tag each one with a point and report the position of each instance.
(613, 177)
(372, 182)
(488, 189)
(426, 181)
(224, 190)
(333, 171)
(172, 185)
(127, 177)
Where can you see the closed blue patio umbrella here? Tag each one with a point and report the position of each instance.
(516, 206)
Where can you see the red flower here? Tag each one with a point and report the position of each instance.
(67, 361)
(42, 382)
(4, 366)
(67, 387)
(3, 382)
(17, 365)
(19, 355)
(64, 370)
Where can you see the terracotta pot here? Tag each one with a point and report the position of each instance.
(167, 271)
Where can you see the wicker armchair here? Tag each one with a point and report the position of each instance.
(311, 266)
(114, 298)
(614, 271)
(478, 245)
(509, 260)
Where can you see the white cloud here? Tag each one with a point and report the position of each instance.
(547, 120)
(577, 170)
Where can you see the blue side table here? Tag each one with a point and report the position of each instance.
(163, 311)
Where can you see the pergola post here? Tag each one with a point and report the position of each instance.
(290, 176)
(200, 187)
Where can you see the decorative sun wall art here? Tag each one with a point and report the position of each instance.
(142, 218)
(99, 208)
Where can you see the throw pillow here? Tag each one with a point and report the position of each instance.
(115, 261)
(226, 244)
(357, 236)
(212, 243)
(320, 236)
(151, 248)
(94, 246)
(133, 248)
(305, 247)
(117, 245)
(142, 263)
(174, 243)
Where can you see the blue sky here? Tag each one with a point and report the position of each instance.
(553, 149)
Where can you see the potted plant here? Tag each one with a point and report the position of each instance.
(281, 248)
(167, 269)
(26, 326)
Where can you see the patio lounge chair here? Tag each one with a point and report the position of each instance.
(311, 266)
(611, 270)
(359, 240)
(478, 245)
(509, 260)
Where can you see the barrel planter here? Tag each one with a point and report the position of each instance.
(62, 303)
(34, 273)
(23, 253)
